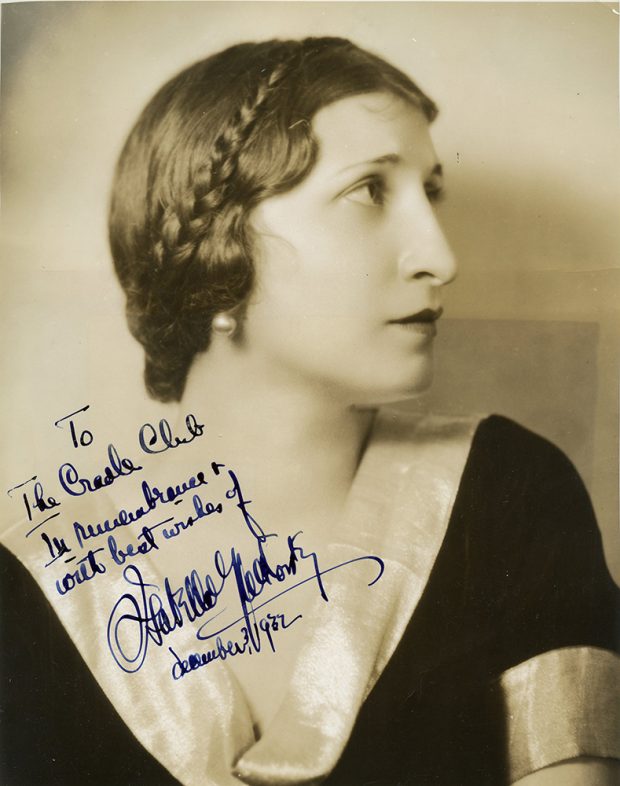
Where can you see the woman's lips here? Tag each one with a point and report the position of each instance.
(422, 322)
(426, 315)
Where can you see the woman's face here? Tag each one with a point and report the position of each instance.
(351, 262)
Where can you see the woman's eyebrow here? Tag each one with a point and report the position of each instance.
(388, 158)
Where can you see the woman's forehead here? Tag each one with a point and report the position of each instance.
(368, 128)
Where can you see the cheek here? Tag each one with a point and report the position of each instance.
(329, 283)
(340, 347)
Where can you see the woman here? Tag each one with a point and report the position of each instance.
(437, 590)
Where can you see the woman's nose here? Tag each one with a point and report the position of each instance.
(426, 252)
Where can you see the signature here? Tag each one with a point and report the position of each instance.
(145, 616)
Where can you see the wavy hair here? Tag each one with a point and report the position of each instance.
(223, 135)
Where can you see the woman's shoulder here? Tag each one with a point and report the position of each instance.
(498, 446)
(524, 467)
(523, 550)
(505, 440)
(528, 523)
(518, 469)
(514, 491)
(523, 486)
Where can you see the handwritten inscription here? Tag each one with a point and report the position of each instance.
(160, 440)
(44, 509)
(149, 611)
(117, 467)
(269, 624)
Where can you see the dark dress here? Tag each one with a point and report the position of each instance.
(520, 572)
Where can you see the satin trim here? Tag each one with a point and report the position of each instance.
(200, 728)
(561, 705)
(399, 509)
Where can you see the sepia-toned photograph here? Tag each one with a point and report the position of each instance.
(310, 354)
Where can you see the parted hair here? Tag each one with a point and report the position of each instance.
(224, 134)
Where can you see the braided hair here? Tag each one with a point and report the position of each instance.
(218, 138)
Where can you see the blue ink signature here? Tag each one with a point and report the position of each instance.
(156, 617)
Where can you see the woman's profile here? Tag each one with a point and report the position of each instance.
(397, 599)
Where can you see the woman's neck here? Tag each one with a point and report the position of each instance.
(289, 441)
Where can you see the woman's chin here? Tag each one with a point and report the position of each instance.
(403, 390)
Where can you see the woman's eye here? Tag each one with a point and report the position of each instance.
(371, 192)
(434, 192)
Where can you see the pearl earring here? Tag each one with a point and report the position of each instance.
(223, 324)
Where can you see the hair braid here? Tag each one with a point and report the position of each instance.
(185, 225)
(210, 186)
(186, 250)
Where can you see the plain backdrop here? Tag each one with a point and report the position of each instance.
(528, 137)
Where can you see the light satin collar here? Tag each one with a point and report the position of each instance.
(200, 727)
